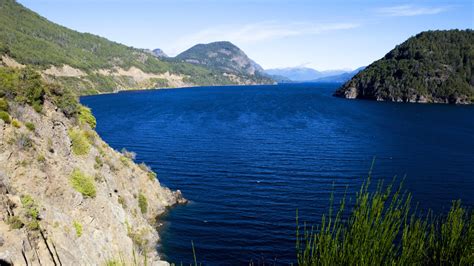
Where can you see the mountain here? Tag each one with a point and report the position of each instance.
(302, 73)
(295, 73)
(159, 53)
(227, 58)
(340, 78)
(433, 67)
(89, 64)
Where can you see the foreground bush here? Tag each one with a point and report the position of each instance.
(382, 229)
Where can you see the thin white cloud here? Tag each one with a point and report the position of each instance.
(409, 10)
(257, 32)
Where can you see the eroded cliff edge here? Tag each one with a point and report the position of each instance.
(66, 197)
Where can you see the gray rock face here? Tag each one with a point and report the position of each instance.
(159, 53)
(62, 225)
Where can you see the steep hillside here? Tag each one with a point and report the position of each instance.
(433, 66)
(88, 63)
(66, 197)
(227, 58)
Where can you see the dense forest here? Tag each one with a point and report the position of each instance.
(433, 66)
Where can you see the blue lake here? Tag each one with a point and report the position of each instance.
(248, 156)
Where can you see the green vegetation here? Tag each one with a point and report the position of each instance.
(32, 212)
(23, 86)
(86, 117)
(78, 227)
(16, 123)
(382, 229)
(30, 126)
(98, 162)
(142, 203)
(436, 65)
(5, 117)
(122, 202)
(33, 40)
(15, 222)
(41, 158)
(3, 105)
(80, 142)
(82, 183)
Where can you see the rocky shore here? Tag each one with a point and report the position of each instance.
(67, 198)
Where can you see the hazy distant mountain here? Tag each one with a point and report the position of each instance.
(302, 73)
(343, 77)
(159, 53)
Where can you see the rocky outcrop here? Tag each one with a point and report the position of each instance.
(59, 206)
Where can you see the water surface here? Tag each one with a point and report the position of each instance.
(248, 156)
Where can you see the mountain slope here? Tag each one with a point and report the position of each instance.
(88, 63)
(433, 66)
(227, 58)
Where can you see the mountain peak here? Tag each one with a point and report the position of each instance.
(223, 56)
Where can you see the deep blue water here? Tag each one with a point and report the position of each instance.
(247, 157)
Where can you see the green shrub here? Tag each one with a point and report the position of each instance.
(86, 117)
(98, 162)
(32, 212)
(80, 143)
(5, 117)
(65, 100)
(16, 123)
(152, 176)
(14, 222)
(82, 183)
(122, 202)
(3, 105)
(78, 227)
(142, 203)
(382, 229)
(30, 126)
(125, 161)
(41, 158)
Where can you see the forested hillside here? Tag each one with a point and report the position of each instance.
(433, 66)
(88, 63)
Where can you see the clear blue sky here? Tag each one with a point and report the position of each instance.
(275, 33)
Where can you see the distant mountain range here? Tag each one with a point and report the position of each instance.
(305, 74)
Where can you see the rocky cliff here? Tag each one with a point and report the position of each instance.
(433, 66)
(66, 197)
